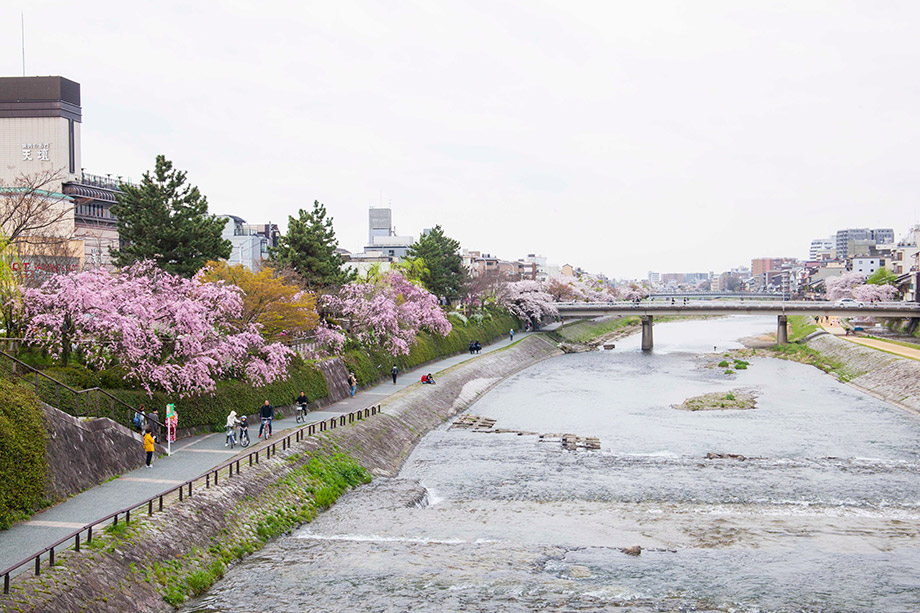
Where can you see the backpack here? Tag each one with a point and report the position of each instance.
(137, 420)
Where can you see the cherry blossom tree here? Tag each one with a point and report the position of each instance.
(166, 331)
(527, 300)
(387, 313)
(843, 286)
(633, 291)
(875, 293)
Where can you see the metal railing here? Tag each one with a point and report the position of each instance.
(84, 400)
(105, 182)
(185, 489)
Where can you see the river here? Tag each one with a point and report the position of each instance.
(819, 510)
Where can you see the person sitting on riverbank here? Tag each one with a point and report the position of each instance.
(428, 379)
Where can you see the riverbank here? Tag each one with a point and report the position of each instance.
(155, 562)
(882, 375)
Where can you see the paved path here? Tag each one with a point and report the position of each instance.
(833, 326)
(191, 457)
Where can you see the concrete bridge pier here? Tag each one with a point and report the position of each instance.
(781, 335)
(647, 333)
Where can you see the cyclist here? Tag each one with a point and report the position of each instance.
(244, 431)
(267, 413)
(302, 401)
(232, 421)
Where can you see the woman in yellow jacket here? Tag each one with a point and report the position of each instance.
(148, 446)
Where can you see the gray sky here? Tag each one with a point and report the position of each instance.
(619, 136)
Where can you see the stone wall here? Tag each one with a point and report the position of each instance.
(883, 375)
(113, 577)
(81, 454)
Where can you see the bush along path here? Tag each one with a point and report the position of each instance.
(191, 457)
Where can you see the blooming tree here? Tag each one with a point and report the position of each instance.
(167, 332)
(874, 293)
(527, 300)
(387, 313)
(633, 291)
(843, 286)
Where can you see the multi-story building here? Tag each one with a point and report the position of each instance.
(868, 264)
(855, 241)
(822, 249)
(40, 122)
(250, 242)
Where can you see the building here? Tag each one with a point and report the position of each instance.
(822, 249)
(868, 264)
(855, 241)
(40, 134)
(250, 242)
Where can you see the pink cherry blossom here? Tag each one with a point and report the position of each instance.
(167, 332)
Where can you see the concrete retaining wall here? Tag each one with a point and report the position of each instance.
(884, 375)
(81, 454)
(113, 576)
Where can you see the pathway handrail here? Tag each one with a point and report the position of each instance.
(60, 384)
(270, 448)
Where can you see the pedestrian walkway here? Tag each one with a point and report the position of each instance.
(834, 327)
(190, 458)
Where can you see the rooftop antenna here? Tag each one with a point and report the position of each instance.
(22, 20)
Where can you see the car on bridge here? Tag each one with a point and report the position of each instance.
(849, 302)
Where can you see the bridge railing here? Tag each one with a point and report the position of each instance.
(180, 492)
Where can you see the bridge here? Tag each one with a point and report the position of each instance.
(648, 310)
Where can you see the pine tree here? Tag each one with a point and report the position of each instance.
(167, 221)
(309, 247)
(445, 276)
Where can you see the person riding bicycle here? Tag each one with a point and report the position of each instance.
(267, 413)
(232, 421)
(301, 401)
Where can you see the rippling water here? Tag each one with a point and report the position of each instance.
(820, 514)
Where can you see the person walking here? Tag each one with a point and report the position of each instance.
(267, 413)
(352, 383)
(153, 422)
(512, 334)
(148, 446)
(394, 371)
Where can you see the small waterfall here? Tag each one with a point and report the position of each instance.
(336, 376)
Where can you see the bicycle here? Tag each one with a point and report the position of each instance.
(244, 432)
(301, 413)
(231, 439)
(266, 428)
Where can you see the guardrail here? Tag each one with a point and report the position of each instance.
(269, 450)
(83, 398)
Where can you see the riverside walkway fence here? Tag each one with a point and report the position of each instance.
(180, 492)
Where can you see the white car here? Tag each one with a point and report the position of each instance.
(849, 302)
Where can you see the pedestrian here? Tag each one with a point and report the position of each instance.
(352, 383)
(148, 446)
(512, 334)
(153, 422)
(478, 347)
(394, 371)
(139, 417)
(472, 347)
(267, 413)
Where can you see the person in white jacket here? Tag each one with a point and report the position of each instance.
(232, 422)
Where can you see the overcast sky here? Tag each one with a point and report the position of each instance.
(621, 137)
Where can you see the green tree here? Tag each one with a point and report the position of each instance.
(309, 247)
(167, 221)
(882, 276)
(445, 275)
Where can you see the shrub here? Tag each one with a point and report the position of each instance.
(22, 453)
(723, 364)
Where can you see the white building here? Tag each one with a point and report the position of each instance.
(249, 247)
(867, 264)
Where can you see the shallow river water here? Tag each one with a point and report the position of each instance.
(822, 512)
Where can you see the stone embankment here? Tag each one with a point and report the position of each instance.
(83, 453)
(180, 551)
(883, 375)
